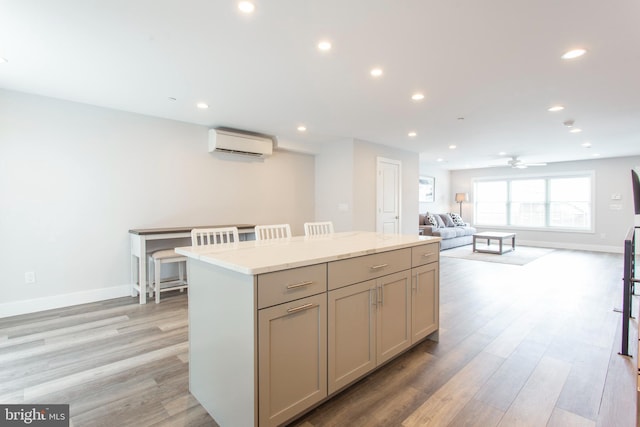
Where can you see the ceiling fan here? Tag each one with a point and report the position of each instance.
(516, 163)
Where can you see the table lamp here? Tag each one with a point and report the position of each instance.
(462, 197)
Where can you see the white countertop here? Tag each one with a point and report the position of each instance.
(257, 257)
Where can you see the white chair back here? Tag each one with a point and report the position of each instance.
(318, 228)
(214, 236)
(272, 232)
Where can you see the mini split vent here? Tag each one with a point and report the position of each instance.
(225, 140)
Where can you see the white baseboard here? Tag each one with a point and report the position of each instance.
(574, 246)
(57, 301)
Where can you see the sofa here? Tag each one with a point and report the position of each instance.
(449, 226)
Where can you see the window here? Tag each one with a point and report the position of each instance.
(551, 202)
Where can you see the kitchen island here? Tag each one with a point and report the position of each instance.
(277, 327)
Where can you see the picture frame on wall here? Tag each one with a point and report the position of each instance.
(427, 189)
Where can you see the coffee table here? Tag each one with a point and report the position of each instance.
(495, 235)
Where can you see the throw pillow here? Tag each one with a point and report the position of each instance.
(431, 220)
(457, 219)
(440, 221)
(446, 219)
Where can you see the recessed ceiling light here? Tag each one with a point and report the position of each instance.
(324, 45)
(502, 153)
(439, 159)
(575, 53)
(555, 108)
(586, 144)
(302, 128)
(596, 154)
(575, 130)
(202, 105)
(376, 72)
(417, 97)
(246, 7)
(452, 147)
(412, 134)
(3, 60)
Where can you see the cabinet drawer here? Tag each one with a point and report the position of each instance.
(424, 254)
(288, 285)
(354, 270)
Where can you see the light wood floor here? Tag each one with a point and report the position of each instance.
(534, 346)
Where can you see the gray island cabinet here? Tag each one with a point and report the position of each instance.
(277, 327)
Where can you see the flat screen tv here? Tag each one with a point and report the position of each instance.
(636, 191)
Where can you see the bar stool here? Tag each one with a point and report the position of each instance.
(318, 228)
(156, 260)
(272, 232)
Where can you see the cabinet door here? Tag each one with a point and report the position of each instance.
(425, 301)
(394, 315)
(352, 322)
(292, 358)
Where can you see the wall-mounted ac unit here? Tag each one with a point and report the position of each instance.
(239, 142)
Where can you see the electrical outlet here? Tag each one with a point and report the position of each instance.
(30, 277)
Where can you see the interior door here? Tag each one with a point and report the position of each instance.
(388, 196)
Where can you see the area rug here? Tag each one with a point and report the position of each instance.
(521, 256)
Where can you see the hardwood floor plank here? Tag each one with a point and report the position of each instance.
(562, 418)
(513, 335)
(59, 344)
(535, 402)
(618, 402)
(30, 371)
(447, 401)
(583, 390)
(502, 388)
(33, 393)
(477, 414)
(35, 336)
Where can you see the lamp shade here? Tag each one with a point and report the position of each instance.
(462, 197)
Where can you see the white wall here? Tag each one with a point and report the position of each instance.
(75, 178)
(612, 176)
(346, 178)
(334, 184)
(444, 194)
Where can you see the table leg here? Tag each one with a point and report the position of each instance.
(134, 274)
(142, 271)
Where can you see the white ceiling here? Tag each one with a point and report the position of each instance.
(494, 62)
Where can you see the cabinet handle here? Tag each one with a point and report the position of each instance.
(300, 308)
(428, 254)
(297, 285)
(380, 295)
(373, 299)
(378, 267)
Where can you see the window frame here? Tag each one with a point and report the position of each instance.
(547, 177)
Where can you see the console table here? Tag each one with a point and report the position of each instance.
(140, 236)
